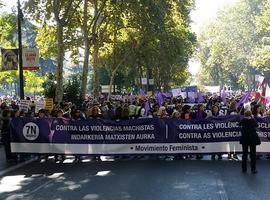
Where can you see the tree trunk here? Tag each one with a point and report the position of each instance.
(95, 70)
(61, 23)
(86, 52)
(95, 52)
(85, 70)
(60, 59)
(111, 84)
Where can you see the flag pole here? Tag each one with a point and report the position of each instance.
(20, 16)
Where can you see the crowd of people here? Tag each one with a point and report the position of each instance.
(133, 108)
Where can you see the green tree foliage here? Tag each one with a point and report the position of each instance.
(8, 39)
(72, 90)
(62, 12)
(49, 85)
(8, 31)
(261, 58)
(130, 39)
(153, 39)
(33, 83)
(227, 45)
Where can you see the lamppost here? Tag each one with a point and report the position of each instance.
(20, 16)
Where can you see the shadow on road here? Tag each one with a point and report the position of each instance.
(184, 179)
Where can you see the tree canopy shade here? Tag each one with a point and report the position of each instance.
(235, 44)
(142, 38)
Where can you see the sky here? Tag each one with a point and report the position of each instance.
(205, 11)
(8, 5)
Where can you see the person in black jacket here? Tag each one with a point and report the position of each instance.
(249, 139)
(5, 121)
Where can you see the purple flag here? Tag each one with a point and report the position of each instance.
(142, 93)
(244, 99)
(223, 96)
(131, 98)
(200, 98)
(164, 95)
(156, 94)
(146, 108)
(192, 99)
(169, 94)
(267, 100)
(160, 99)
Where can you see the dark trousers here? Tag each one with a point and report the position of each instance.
(252, 157)
(6, 143)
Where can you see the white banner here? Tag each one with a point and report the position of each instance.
(39, 105)
(150, 148)
(178, 92)
(30, 59)
(24, 105)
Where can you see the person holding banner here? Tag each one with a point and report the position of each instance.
(176, 115)
(155, 110)
(199, 114)
(41, 114)
(249, 139)
(186, 112)
(77, 115)
(162, 113)
(186, 115)
(5, 135)
(256, 111)
(95, 113)
(215, 112)
(59, 116)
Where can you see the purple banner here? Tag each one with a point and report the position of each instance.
(140, 136)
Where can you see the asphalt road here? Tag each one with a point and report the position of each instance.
(136, 180)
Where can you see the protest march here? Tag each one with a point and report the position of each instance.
(161, 124)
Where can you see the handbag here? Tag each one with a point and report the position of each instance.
(258, 140)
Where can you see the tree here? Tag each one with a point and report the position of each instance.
(33, 83)
(162, 32)
(86, 49)
(168, 37)
(8, 30)
(62, 20)
(262, 54)
(92, 34)
(8, 39)
(131, 39)
(49, 85)
(63, 11)
(226, 46)
(72, 90)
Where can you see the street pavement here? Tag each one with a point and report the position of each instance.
(3, 163)
(144, 179)
(7, 167)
